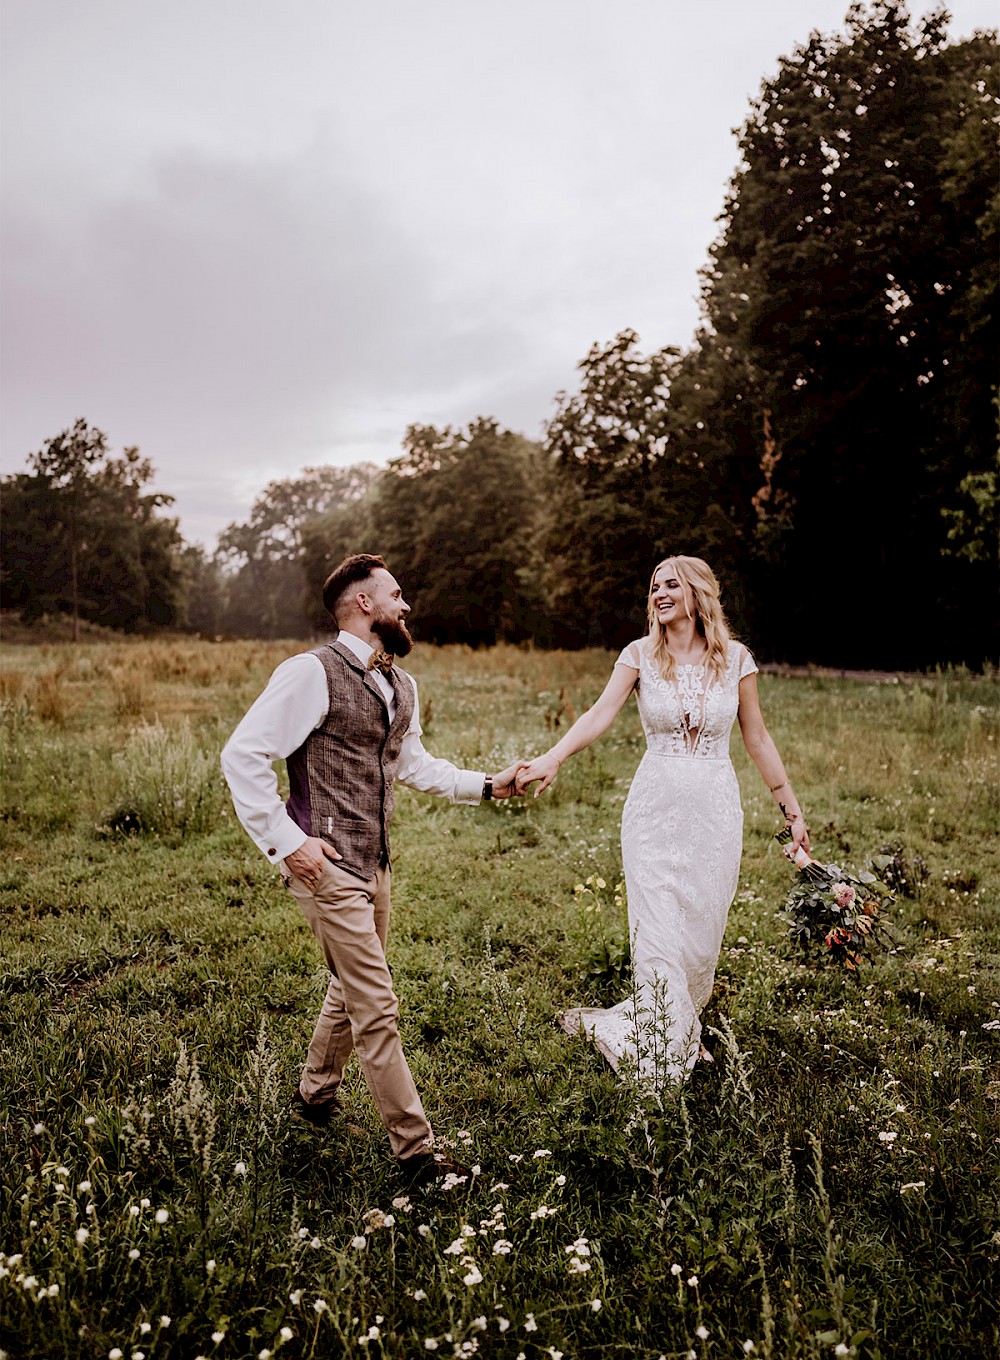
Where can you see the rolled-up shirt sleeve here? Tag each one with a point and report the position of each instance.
(419, 770)
(294, 703)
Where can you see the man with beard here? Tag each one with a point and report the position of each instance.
(346, 719)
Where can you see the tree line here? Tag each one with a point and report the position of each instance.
(828, 441)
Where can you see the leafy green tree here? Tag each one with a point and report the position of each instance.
(455, 517)
(637, 474)
(850, 281)
(83, 536)
(266, 582)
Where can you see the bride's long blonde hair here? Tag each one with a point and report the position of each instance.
(699, 578)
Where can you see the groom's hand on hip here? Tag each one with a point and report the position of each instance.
(309, 860)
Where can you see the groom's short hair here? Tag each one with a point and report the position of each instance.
(354, 569)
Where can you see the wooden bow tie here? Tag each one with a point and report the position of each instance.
(381, 661)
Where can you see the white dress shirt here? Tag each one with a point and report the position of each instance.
(295, 703)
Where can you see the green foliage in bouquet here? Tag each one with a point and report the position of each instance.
(837, 915)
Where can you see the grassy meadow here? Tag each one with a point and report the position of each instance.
(828, 1187)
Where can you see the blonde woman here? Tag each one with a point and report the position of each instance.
(682, 824)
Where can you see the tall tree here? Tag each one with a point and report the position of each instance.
(83, 535)
(265, 587)
(850, 279)
(454, 517)
(637, 474)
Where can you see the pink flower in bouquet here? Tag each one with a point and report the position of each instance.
(843, 894)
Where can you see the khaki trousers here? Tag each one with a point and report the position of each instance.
(350, 919)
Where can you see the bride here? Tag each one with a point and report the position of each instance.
(682, 824)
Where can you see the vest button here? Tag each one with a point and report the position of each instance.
(272, 851)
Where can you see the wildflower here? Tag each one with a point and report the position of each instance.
(218, 1336)
(145, 1327)
(501, 1247)
(240, 1169)
(479, 1323)
(530, 1325)
(580, 1247)
(578, 1266)
(841, 1349)
(560, 1180)
(888, 1137)
(38, 1128)
(162, 1215)
(83, 1187)
(115, 1353)
(295, 1297)
(515, 1157)
(912, 1185)
(53, 1290)
(455, 1248)
(144, 1204)
(749, 1346)
(134, 1254)
(303, 1234)
(376, 1219)
(265, 1354)
(468, 1231)
(320, 1305)
(81, 1236)
(693, 1281)
(210, 1266)
(474, 1275)
(164, 1321)
(419, 1295)
(286, 1333)
(90, 1120)
(477, 1170)
(430, 1344)
(359, 1243)
(675, 1269)
(138, 1355)
(315, 1244)
(701, 1331)
(556, 1355)
(595, 1305)
(373, 1334)
(451, 1181)
(402, 1202)
(542, 1152)
(503, 1323)
(424, 1230)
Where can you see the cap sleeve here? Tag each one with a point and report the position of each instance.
(747, 664)
(629, 656)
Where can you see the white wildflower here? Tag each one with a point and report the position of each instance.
(83, 1187)
(286, 1333)
(675, 1269)
(320, 1305)
(81, 1236)
(134, 1254)
(701, 1331)
(240, 1169)
(541, 1152)
(162, 1215)
(530, 1325)
(359, 1243)
(595, 1305)
(419, 1295)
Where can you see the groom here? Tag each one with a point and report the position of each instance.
(346, 719)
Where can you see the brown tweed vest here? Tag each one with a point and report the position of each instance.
(341, 777)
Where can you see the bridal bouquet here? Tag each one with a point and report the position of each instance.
(834, 913)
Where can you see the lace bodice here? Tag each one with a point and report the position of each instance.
(688, 716)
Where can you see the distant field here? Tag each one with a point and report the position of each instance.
(828, 1187)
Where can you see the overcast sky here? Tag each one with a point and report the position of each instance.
(251, 237)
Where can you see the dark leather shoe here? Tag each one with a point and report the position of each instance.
(429, 1169)
(318, 1113)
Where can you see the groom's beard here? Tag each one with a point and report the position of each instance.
(394, 633)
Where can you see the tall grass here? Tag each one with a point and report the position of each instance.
(827, 1187)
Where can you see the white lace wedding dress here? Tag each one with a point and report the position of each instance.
(682, 837)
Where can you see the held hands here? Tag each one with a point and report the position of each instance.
(309, 860)
(543, 769)
(506, 784)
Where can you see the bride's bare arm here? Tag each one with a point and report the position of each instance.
(764, 753)
(587, 728)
